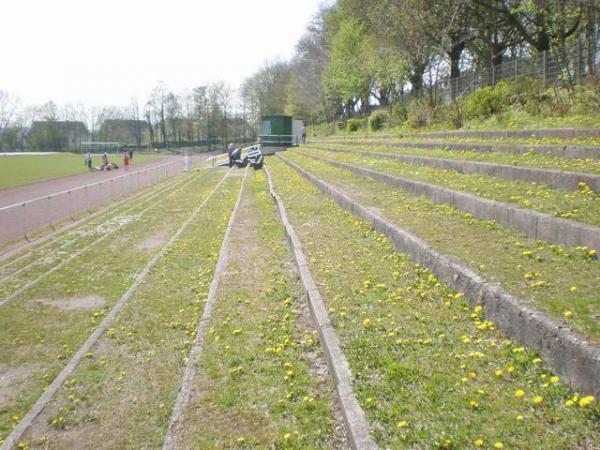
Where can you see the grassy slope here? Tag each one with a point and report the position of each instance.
(19, 170)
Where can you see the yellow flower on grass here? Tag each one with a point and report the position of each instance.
(498, 373)
(554, 379)
(573, 289)
(520, 393)
(538, 399)
(587, 401)
(592, 253)
(568, 313)
(520, 417)
(402, 424)
(478, 442)
(241, 440)
(498, 445)
(367, 323)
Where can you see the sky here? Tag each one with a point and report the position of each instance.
(104, 52)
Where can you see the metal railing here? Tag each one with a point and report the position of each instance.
(20, 219)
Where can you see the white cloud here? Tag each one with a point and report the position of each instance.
(104, 52)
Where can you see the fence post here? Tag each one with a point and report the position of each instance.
(544, 66)
(24, 221)
(578, 71)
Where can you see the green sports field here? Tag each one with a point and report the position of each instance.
(24, 169)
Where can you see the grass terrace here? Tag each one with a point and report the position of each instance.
(429, 371)
(560, 281)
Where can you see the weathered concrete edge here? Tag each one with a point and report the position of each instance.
(563, 151)
(185, 389)
(568, 353)
(12, 439)
(565, 133)
(535, 225)
(560, 179)
(355, 419)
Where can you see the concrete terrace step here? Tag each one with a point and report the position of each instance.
(563, 151)
(559, 133)
(534, 224)
(570, 354)
(552, 177)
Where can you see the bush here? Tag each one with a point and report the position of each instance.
(485, 102)
(399, 112)
(419, 115)
(378, 119)
(353, 125)
(452, 114)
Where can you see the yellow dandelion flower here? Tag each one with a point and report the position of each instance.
(538, 399)
(554, 379)
(568, 313)
(478, 442)
(520, 393)
(586, 401)
(402, 424)
(498, 445)
(498, 373)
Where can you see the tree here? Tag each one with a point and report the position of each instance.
(156, 103)
(9, 104)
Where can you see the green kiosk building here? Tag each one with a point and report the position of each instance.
(279, 132)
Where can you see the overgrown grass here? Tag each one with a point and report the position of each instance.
(23, 265)
(38, 334)
(261, 379)
(25, 169)
(429, 371)
(560, 281)
(123, 393)
(582, 205)
(529, 159)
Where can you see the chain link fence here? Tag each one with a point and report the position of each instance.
(566, 67)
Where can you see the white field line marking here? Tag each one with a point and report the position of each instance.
(185, 390)
(17, 432)
(69, 259)
(355, 419)
(176, 185)
(38, 241)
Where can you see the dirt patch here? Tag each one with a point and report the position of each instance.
(75, 303)
(153, 242)
(10, 379)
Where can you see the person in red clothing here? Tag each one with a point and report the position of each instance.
(126, 160)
